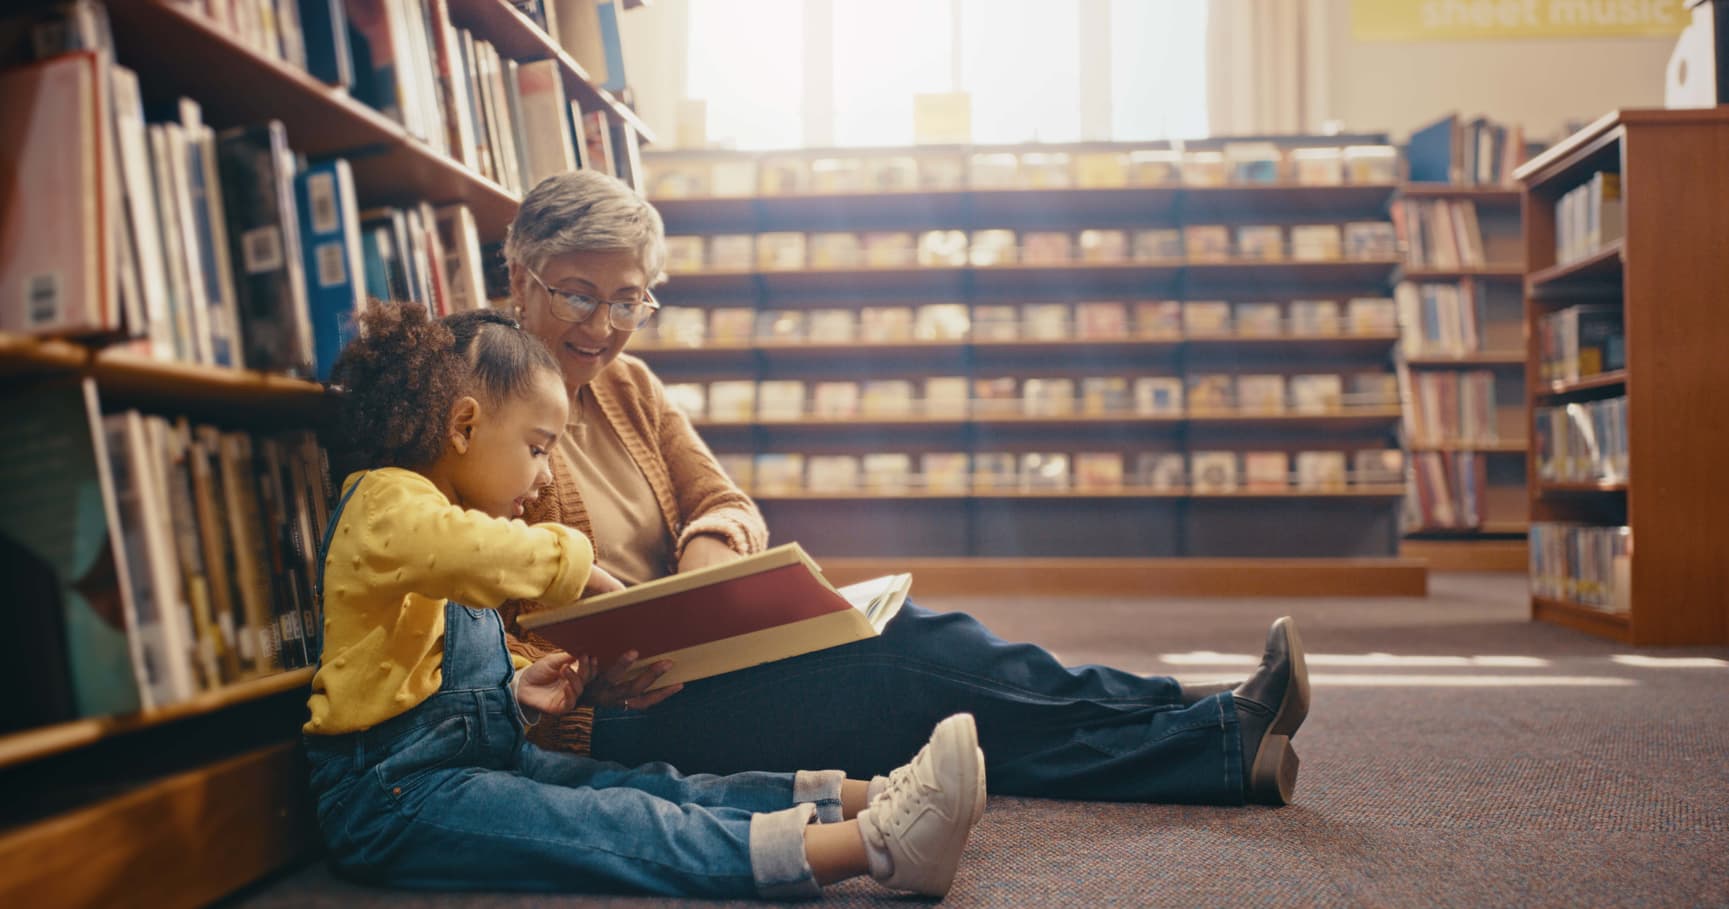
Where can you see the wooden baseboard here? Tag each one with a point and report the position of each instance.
(1469, 555)
(1146, 577)
(184, 840)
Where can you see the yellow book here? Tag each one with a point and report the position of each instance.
(761, 608)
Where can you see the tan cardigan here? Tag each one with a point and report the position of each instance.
(695, 497)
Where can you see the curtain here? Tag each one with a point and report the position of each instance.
(1263, 60)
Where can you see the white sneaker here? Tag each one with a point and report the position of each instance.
(916, 829)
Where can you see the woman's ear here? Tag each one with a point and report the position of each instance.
(464, 416)
(518, 284)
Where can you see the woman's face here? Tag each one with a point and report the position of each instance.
(582, 348)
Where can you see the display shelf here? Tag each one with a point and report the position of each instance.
(1667, 271)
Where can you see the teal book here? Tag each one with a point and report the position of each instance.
(62, 553)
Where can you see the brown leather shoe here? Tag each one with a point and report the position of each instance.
(1271, 704)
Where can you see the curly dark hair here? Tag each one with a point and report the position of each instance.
(403, 373)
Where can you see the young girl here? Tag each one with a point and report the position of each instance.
(420, 768)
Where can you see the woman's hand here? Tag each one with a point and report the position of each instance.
(555, 683)
(705, 550)
(619, 687)
(601, 581)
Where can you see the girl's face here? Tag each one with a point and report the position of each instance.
(499, 453)
(582, 348)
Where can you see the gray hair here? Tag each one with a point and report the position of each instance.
(585, 211)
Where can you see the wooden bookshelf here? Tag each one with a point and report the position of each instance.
(187, 804)
(1069, 523)
(1500, 464)
(1667, 271)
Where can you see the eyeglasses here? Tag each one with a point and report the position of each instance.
(624, 315)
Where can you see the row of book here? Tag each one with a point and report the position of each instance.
(673, 176)
(1582, 443)
(1442, 319)
(1162, 472)
(1583, 340)
(223, 249)
(1477, 151)
(957, 397)
(1446, 491)
(160, 559)
(1102, 320)
(794, 251)
(1588, 218)
(1581, 563)
(1439, 233)
(1449, 407)
(506, 120)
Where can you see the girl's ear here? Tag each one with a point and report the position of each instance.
(464, 416)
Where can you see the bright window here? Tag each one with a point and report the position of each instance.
(1020, 60)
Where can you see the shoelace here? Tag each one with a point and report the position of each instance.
(902, 779)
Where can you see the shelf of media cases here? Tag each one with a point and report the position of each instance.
(175, 50)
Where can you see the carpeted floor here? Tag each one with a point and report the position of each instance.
(1456, 755)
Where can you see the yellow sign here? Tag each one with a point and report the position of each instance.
(1454, 20)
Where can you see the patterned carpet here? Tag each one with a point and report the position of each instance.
(1457, 755)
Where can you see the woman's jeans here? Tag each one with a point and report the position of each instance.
(1088, 732)
(449, 796)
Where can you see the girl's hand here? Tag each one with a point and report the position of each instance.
(618, 687)
(555, 683)
(601, 581)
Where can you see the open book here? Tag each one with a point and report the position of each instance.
(769, 606)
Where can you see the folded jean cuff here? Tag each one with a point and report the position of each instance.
(777, 858)
(822, 789)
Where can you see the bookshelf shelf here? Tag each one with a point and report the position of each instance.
(1603, 623)
(1608, 380)
(176, 51)
(1378, 491)
(1466, 361)
(1330, 346)
(1600, 271)
(1493, 272)
(46, 741)
(1667, 272)
(1482, 195)
(1512, 446)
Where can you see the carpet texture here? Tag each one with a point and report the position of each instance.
(1456, 755)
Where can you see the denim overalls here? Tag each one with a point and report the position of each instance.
(450, 796)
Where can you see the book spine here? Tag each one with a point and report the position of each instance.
(258, 194)
(333, 265)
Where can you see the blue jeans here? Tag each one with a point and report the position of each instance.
(1085, 732)
(450, 796)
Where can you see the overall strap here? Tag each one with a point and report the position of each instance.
(324, 554)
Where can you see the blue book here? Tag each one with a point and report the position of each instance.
(335, 267)
(328, 58)
(1431, 152)
(611, 44)
(384, 250)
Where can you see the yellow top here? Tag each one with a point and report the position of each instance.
(400, 552)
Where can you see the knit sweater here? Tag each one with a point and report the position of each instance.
(696, 498)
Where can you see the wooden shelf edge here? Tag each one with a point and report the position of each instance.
(1005, 193)
(32, 744)
(1486, 358)
(1140, 578)
(1512, 447)
(1467, 553)
(1580, 488)
(1604, 260)
(1589, 383)
(1614, 625)
(185, 840)
(1503, 193)
(1363, 415)
(1436, 273)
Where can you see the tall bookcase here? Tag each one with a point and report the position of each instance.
(1667, 273)
(1496, 540)
(187, 804)
(1245, 528)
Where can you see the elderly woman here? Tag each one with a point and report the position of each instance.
(631, 473)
